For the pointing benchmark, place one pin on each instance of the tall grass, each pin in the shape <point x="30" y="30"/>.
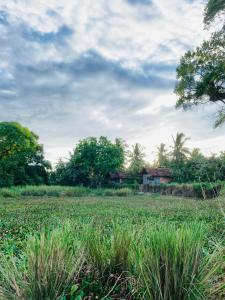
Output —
<point x="60" y="191"/>
<point x="154" y="263"/>
<point x="50" y="266"/>
<point x="109" y="253"/>
<point x="171" y="263"/>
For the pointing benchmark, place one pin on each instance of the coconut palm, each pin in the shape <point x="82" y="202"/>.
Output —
<point x="162" y="155"/>
<point x="179" y="151"/>
<point x="136" y="159"/>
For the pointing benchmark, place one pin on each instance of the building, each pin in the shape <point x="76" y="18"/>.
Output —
<point x="117" y="177"/>
<point x="155" y="176"/>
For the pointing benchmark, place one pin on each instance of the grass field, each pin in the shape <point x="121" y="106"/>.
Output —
<point x="18" y="217"/>
<point x="21" y="217"/>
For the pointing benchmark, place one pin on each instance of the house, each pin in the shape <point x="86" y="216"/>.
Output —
<point x="155" y="176"/>
<point x="117" y="177"/>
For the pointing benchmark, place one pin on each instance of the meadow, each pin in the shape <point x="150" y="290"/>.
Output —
<point x="111" y="247"/>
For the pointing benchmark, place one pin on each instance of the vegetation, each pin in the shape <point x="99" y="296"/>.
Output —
<point x="136" y="160"/>
<point x="22" y="163"/>
<point x="21" y="156"/>
<point x="60" y="191"/>
<point x="91" y="162"/>
<point x="162" y="156"/>
<point x="213" y="9"/>
<point x="138" y="247"/>
<point x="201" y="72"/>
<point x="198" y="190"/>
<point x="191" y="166"/>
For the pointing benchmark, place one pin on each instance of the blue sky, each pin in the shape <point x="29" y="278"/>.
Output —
<point x="89" y="68"/>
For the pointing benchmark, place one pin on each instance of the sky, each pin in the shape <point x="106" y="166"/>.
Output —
<point x="73" y="69"/>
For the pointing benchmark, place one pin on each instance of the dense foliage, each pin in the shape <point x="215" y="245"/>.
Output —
<point x="136" y="159"/>
<point x="191" y="166"/>
<point x="201" y="73"/>
<point x="91" y="162"/>
<point x="21" y="156"/>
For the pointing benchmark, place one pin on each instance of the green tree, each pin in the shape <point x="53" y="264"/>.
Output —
<point x="179" y="151"/>
<point x="201" y="72"/>
<point x="178" y="157"/>
<point x="162" y="156"/>
<point x="136" y="158"/>
<point x="91" y="162"/>
<point x="21" y="156"/>
<point x="213" y="8"/>
<point x="195" y="167"/>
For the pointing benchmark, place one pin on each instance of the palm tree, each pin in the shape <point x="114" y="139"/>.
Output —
<point x="162" y="155"/>
<point x="179" y="151"/>
<point x="136" y="159"/>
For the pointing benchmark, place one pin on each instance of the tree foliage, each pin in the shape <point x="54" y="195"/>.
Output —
<point x="91" y="162"/>
<point x="162" y="159"/>
<point x="21" y="156"/>
<point x="192" y="166"/>
<point x="213" y="9"/>
<point x="201" y="72"/>
<point x="179" y="151"/>
<point x="136" y="160"/>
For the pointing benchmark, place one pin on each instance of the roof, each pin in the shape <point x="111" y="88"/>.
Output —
<point x="157" y="172"/>
<point x="118" y="175"/>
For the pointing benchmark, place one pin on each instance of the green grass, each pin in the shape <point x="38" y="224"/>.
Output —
<point x="61" y="191"/>
<point x="127" y="241"/>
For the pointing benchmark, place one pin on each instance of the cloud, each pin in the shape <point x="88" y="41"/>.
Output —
<point x="87" y="68"/>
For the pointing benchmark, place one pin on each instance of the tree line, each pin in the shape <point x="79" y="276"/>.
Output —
<point x="22" y="161"/>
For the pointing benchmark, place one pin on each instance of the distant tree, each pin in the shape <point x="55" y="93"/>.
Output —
<point x="63" y="174"/>
<point x="195" y="166"/>
<point x="179" y="151"/>
<point x="162" y="156"/>
<point x="178" y="157"/>
<point x="136" y="158"/>
<point x="91" y="162"/>
<point x="201" y="73"/>
<point x="21" y="156"/>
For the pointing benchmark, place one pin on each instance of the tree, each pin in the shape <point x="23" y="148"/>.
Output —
<point x="136" y="160"/>
<point x="162" y="156"/>
<point x="179" y="151"/>
<point x="213" y="8"/>
<point x="201" y="73"/>
<point x="21" y="156"/>
<point x="91" y="162"/>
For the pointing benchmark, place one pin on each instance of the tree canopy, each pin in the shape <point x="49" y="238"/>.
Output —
<point x="136" y="160"/>
<point x="162" y="153"/>
<point x="91" y="162"/>
<point x="213" y="9"/>
<point x="21" y="156"/>
<point x="201" y="72"/>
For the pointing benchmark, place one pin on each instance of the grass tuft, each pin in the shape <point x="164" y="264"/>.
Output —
<point x="50" y="265"/>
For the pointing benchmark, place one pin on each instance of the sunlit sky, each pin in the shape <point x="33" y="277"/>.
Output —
<point x="73" y="69"/>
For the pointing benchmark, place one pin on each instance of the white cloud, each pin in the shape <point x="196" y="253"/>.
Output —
<point x="81" y="68"/>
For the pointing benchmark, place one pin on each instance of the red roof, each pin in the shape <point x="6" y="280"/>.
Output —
<point x="157" y="172"/>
